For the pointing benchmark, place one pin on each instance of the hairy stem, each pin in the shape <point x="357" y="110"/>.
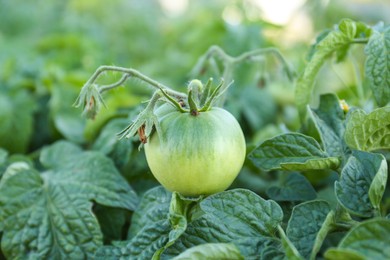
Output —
<point x="127" y="73"/>
<point x="114" y="85"/>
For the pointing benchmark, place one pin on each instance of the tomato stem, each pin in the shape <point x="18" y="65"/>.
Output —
<point x="92" y="91"/>
<point x="128" y="73"/>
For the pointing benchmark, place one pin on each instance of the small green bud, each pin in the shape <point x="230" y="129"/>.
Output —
<point x="91" y="100"/>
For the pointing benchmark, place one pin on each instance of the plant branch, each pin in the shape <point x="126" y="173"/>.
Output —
<point x="128" y="72"/>
<point x="229" y="63"/>
<point x="90" y="95"/>
<point x="114" y="85"/>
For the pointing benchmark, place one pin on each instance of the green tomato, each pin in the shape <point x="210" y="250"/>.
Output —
<point x="196" y="155"/>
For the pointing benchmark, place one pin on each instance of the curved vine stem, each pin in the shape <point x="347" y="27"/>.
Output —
<point x="127" y="73"/>
<point x="229" y="63"/>
<point x="90" y="95"/>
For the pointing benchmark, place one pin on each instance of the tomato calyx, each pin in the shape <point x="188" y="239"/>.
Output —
<point x="200" y="98"/>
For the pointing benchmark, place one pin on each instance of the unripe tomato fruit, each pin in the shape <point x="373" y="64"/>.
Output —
<point x="196" y="155"/>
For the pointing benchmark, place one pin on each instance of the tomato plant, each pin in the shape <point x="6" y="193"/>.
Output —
<point x="276" y="158"/>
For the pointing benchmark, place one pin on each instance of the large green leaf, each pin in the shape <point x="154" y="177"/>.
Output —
<point x="179" y="211"/>
<point x="96" y="175"/>
<point x="292" y="151"/>
<point x="158" y="222"/>
<point x="360" y="171"/>
<point x="368" y="132"/>
<point x="377" y="66"/>
<point x="209" y="229"/>
<point x="143" y="246"/>
<point x="329" y="120"/>
<point x="149" y="230"/>
<point x="211" y="251"/>
<point x="339" y="41"/>
<point x="59" y="155"/>
<point x="305" y="223"/>
<point x="293" y="187"/>
<point x="48" y="214"/>
<point x="44" y="221"/>
<point x="257" y="216"/>
<point x="237" y="216"/>
<point x="369" y="239"/>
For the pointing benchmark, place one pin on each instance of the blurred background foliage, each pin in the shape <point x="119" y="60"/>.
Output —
<point x="48" y="49"/>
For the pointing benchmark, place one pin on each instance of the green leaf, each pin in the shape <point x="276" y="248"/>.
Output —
<point x="16" y="117"/>
<point x="150" y="239"/>
<point x="313" y="48"/>
<point x="206" y="229"/>
<point x="378" y="186"/>
<point x="293" y="187"/>
<point x="48" y="214"/>
<point x="329" y="120"/>
<point x="368" y="132"/>
<point x="45" y="222"/>
<point x="96" y="176"/>
<point x="211" y="251"/>
<point x="360" y="171"/>
<point x="342" y="254"/>
<point x="108" y="142"/>
<point x="257" y="216"/>
<point x="209" y="229"/>
<point x="370" y="239"/>
<point x="326" y="227"/>
<point x="292" y="151"/>
<point x="377" y="66"/>
<point x="158" y="222"/>
<point x="153" y="207"/>
<point x="305" y="223"/>
<point x="151" y="230"/>
<point x="178" y="212"/>
<point x="59" y="154"/>
<point x="337" y="41"/>
<point x="289" y="249"/>
<point x="236" y="216"/>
